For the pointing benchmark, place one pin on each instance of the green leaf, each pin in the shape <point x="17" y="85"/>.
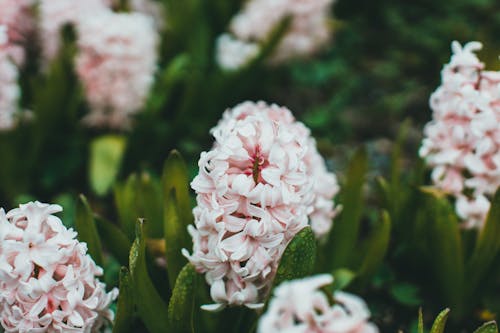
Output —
<point x="378" y="244"/>
<point x="150" y="306"/>
<point x="406" y="294"/>
<point x="487" y="246"/>
<point x="125" y="307"/>
<point x="440" y="322"/>
<point x="114" y="240"/>
<point x="342" y="278"/>
<point x="176" y="237"/>
<point x="420" y="321"/>
<point x="182" y="303"/>
<point x="106" y="155"/>
<point x="87" y="231"/>
<point x="125" y="195"/>
<point x="345" y="231"/>
<point x="149" y="203"/>
<point x="490" y="327"/>
<point x="175" y="176"/>
<point x="298" y="259"/>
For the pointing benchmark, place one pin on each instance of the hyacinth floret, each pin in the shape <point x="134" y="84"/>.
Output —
<point x="255" y="190"/>
<point x="9" y="87"/>
<point x="462" y="142"/>
<point x="48" y="282"/>
<point x="300" y="306"/>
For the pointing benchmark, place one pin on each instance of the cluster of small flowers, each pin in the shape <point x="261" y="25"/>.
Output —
<point x="255" y="190"/>
<point x="116" y="64"/>
<point x="462" y="142"/>
<point x="16" y="16"/>
<point x="9" y="88"/>
<point x="299" y="306"/>
<point x="47" y="282"/>
<point x="308" y="31"/>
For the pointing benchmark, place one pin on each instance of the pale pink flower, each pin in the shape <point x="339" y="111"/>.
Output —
<point x="47" y="281"/>
<point x="300" y="306"/>
<point x="462" y="142"/>
<point x="116" y="63"/>
<point x="17" y="16"/>
<point x="55" y="14"/>
<point x="255" y="190"/>
<point x="9" y="87"/>
<point x="233" y="54"/>
<point x="308" y="31"/>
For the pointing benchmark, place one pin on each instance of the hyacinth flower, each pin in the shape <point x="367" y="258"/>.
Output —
<point x="307" y="31"/>
<point x="48" y="282"/>
<point x="301" y="306"/>
<point x="9" y="87"/>
<point x="116" y="63"/>
<point x="462" y="142"/>
<point x="17" y="16"/>
<point x="262" y="182"/>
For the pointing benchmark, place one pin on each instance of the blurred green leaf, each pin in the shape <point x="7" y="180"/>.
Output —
<point x="150" y="306"/>
<point x="149" y="204"/>
<point x="114" y="240"/>
<point x="487" y="246"/>
<point x="125" y="195"/>
<point x="176" y="237"/>
<point x="299" y="257"/>
<point x="106" y="155"/>
<point x="345" y="232"/>
<point x="182" y="302"/>
<point x="406" y="294"/>
<point x="440" y="322"/>
<point x="125" y="307"/>
<point x="378" y="244"/>
<point x="490" y="327"/>
<point x="87" y="231"/>
<point x="342" y="278"/>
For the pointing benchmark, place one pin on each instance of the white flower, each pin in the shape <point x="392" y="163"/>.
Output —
<point x="233" y="54"/>
<point x="47" y="281"/>
<point x="9" y="87"/>
<point x="300" y="306"/>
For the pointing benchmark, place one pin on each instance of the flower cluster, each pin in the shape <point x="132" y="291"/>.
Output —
<point x="55" y="14"/>
<point x="47" y="281"/>
<point x="299" y="306"/>
<point x="462" y="142"/>
<point x="116" y="64"/>
<point x="9" y="88"/>
<point x="16" y="15"/>
<point x="255" y="190"/>
<point x="308" y="30"/>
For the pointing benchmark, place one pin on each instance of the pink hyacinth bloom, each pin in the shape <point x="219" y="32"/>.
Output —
<point x="462" y="142"/>
<point x="17" y="16"/>
<point x="55" y="14"/>
<point x="9" y="87"/>
<point x="48" y="282"/>
<point x="116" y="64"/>
<point x="255" y="190"/>
<point x="308" y="31"/>
<point x="233" y="54"/>
<point x="299" y="306"/>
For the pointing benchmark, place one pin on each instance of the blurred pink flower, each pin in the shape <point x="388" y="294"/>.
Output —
<point x="47" y="281"/>
<point x="233" y="54"/>
<point x="116" y="63"/>
<point x="55" y="14"/>
<point x="300" y="306"/>
<point x="462" y="142"/>
<point x="255" y="190"/>
<point x="308" y="31"/>
<point x="17" y="16"/>
<point x="9" y="87"/>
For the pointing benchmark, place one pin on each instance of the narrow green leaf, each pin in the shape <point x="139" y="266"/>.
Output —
<point x="182" y="302"/>
<point x="440" y="322"/>
<point x="299" y="257"/>
<point x="342" y="278"/>
<point x="150" y="306"/>
<point x="406" y="294"/>
<point x="114" y="240"/>
<point x="149" y="203"/>
<point x="125" y="307"/>
<point x="377" y="248"/>
<point x="87" y="231"/>
<point x="106" y="155"/>
<point x="124" y="196"/>
<point x="345" y="231"/>
<point x="175" y="176"/>
<point x="420" y="321"/>
<point x="489" y="327"/>
<point x="487" y="246"/>
<point x="176" y="237"/>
